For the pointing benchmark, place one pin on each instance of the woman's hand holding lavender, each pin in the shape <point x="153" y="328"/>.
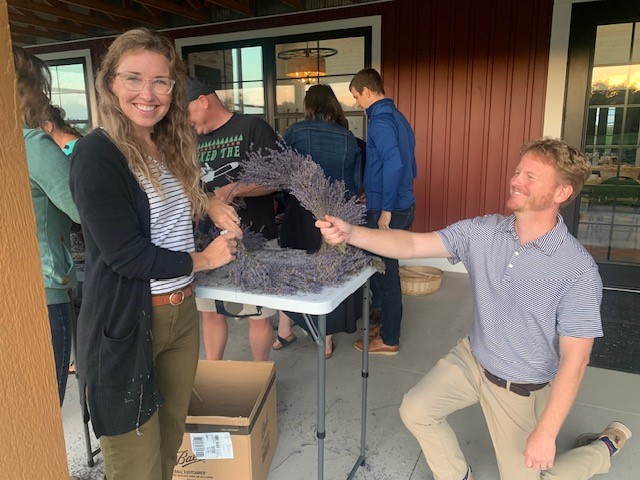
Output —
<point x="224" y="216"/>
<point x="219" y="252"/>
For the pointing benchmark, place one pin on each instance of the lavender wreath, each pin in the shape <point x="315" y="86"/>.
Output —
<point x="286" y="169"/>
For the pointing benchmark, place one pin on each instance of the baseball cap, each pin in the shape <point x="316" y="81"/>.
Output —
<point x="196" y="87"/>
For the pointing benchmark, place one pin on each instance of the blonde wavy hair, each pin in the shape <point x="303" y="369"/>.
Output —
<point x="34" y="87"/>
<point x="173" y="135"/>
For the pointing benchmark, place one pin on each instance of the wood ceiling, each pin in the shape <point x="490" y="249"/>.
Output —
<point x="50" y="21"/>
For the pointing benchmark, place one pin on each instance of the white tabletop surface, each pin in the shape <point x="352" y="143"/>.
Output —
<point x="215" y="284"/>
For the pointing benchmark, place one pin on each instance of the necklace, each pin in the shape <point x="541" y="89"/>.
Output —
<point x="158" y="164"/>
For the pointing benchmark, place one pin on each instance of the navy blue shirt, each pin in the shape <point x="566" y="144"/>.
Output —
<point x="391" y="162"/>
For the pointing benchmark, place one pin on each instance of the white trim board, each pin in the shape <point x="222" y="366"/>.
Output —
<point x="557" y="70"/>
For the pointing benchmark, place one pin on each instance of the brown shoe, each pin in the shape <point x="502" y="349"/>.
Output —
<point x="378" y="347"/>
<point x="617" y="432"/>
<point x="375" y="331"/>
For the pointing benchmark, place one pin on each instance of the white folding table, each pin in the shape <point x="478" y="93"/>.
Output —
<point x="216" y="285"/>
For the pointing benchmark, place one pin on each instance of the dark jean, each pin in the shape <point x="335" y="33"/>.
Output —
<point x="386" y="288"/>
<point x="60" y="322"/>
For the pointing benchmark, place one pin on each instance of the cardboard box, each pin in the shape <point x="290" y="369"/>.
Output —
<point x="232" y="428"/>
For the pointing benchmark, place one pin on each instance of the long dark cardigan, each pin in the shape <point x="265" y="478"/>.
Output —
<point x="114" y="357"/>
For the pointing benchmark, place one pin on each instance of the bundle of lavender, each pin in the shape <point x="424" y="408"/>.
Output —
<point x="282" y="273"/>
<point x="286" y="169"/>
<point x="286" y="273"/>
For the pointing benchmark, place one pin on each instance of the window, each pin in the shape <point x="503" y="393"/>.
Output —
<point x="270" y="76"/>
<point x="71" y="87"/>
<point x="235" y="73"/>
<point x="334" y="63"/>
<point x="613" y="118"/>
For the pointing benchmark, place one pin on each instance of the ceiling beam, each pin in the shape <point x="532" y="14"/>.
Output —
<point x="295" y="4"/>
<point x="116" y="11"/>
<point x="196" y="4"/>
<point x="34" y="32"/>
<point x="21" y="40"/>
<point x="176" y="9"/>
<point x="68" y="15"/>
<point x="239" y="6"/>
<point x="57" y="26"/>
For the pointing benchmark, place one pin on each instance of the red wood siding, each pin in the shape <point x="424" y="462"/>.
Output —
<point x="470" y="75"/>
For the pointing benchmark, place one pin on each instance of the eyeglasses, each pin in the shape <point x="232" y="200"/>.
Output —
<point x="135" y="83"/>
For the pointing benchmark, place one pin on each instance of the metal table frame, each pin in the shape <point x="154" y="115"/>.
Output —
<point x="210" y="285"/>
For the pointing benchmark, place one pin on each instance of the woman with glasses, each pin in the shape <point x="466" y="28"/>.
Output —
<point x="136" y="183"/>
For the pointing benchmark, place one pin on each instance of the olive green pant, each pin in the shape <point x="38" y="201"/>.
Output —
<point x="457" y="381"/>
<point x="152" y="455"/>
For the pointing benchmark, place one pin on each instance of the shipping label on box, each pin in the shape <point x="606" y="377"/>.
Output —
<point x="211" y="445"/>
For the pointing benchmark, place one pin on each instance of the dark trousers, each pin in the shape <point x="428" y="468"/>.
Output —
<point x="386" y="288"/>
<point x="60" y="323"/>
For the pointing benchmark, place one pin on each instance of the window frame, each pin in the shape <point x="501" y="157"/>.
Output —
<point x="369" y="27"/>
<point x="84" y="57"/>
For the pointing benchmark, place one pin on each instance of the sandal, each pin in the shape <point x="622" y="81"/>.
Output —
<point x="327" y="356"/>
<point x="284" y="341"/>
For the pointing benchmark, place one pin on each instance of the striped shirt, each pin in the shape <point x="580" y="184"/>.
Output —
<point x="171" y="224"/>
<point x="525" y="296"/>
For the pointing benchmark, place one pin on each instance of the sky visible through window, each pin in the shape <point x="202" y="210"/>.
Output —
<point x="68" y="91"/>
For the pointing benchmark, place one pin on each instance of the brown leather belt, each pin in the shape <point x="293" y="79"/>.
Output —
<point x="174" y="298"/>
<point x="521" y="389"/>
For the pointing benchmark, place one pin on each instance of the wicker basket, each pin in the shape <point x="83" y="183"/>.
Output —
<point x="420" y="280"/>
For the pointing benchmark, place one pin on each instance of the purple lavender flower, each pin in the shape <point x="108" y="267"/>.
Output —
<point x="280" y="273"/>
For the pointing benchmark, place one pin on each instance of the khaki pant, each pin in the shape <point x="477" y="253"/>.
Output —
<point x="457" y="381"/>
<point x="152" y="455"/>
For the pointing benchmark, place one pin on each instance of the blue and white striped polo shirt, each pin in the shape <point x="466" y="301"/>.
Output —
<point x="525" y="296"/>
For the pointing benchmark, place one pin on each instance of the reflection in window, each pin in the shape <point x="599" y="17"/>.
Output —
<point x="235" y="73"/>
<point x="609" y="219"/>
<point x="270" y="76"/>
<point x="613" y="44"/>
<point x="335" y="61"/>
<point x="613" y="118"/>
<point x="69" y="92"/>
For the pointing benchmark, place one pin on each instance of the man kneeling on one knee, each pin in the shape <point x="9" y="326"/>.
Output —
<point x="536" y="294"/>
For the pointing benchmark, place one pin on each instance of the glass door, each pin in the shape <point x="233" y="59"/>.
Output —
<point x="603" y="116"/>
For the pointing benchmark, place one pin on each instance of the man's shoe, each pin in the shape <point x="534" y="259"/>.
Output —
<point x="378" y="347"/>
<point x="375" y="331"/>
<point x="616" y="434"/>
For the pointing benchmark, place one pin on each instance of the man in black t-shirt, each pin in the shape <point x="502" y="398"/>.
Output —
<point x="224" y="139"/>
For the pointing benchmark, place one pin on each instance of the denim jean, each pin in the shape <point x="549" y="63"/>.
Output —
<point x="386" y="288"/>
<point x="60" y="322"/>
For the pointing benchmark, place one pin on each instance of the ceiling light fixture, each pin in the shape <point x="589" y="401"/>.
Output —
<point x="305" y="63"/>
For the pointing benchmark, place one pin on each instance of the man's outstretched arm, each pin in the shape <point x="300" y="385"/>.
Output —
<point x="388" y="243"/>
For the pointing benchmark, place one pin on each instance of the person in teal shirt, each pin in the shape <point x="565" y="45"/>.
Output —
<point x="52" y="204"/>
<point x="62" y="133"/>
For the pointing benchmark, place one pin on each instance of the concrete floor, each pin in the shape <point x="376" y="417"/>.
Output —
<point x="431" y="326"/>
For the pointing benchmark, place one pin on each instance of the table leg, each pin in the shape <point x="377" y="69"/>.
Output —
<point x="322" y="361"/>
<point x="366" y="294"/>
